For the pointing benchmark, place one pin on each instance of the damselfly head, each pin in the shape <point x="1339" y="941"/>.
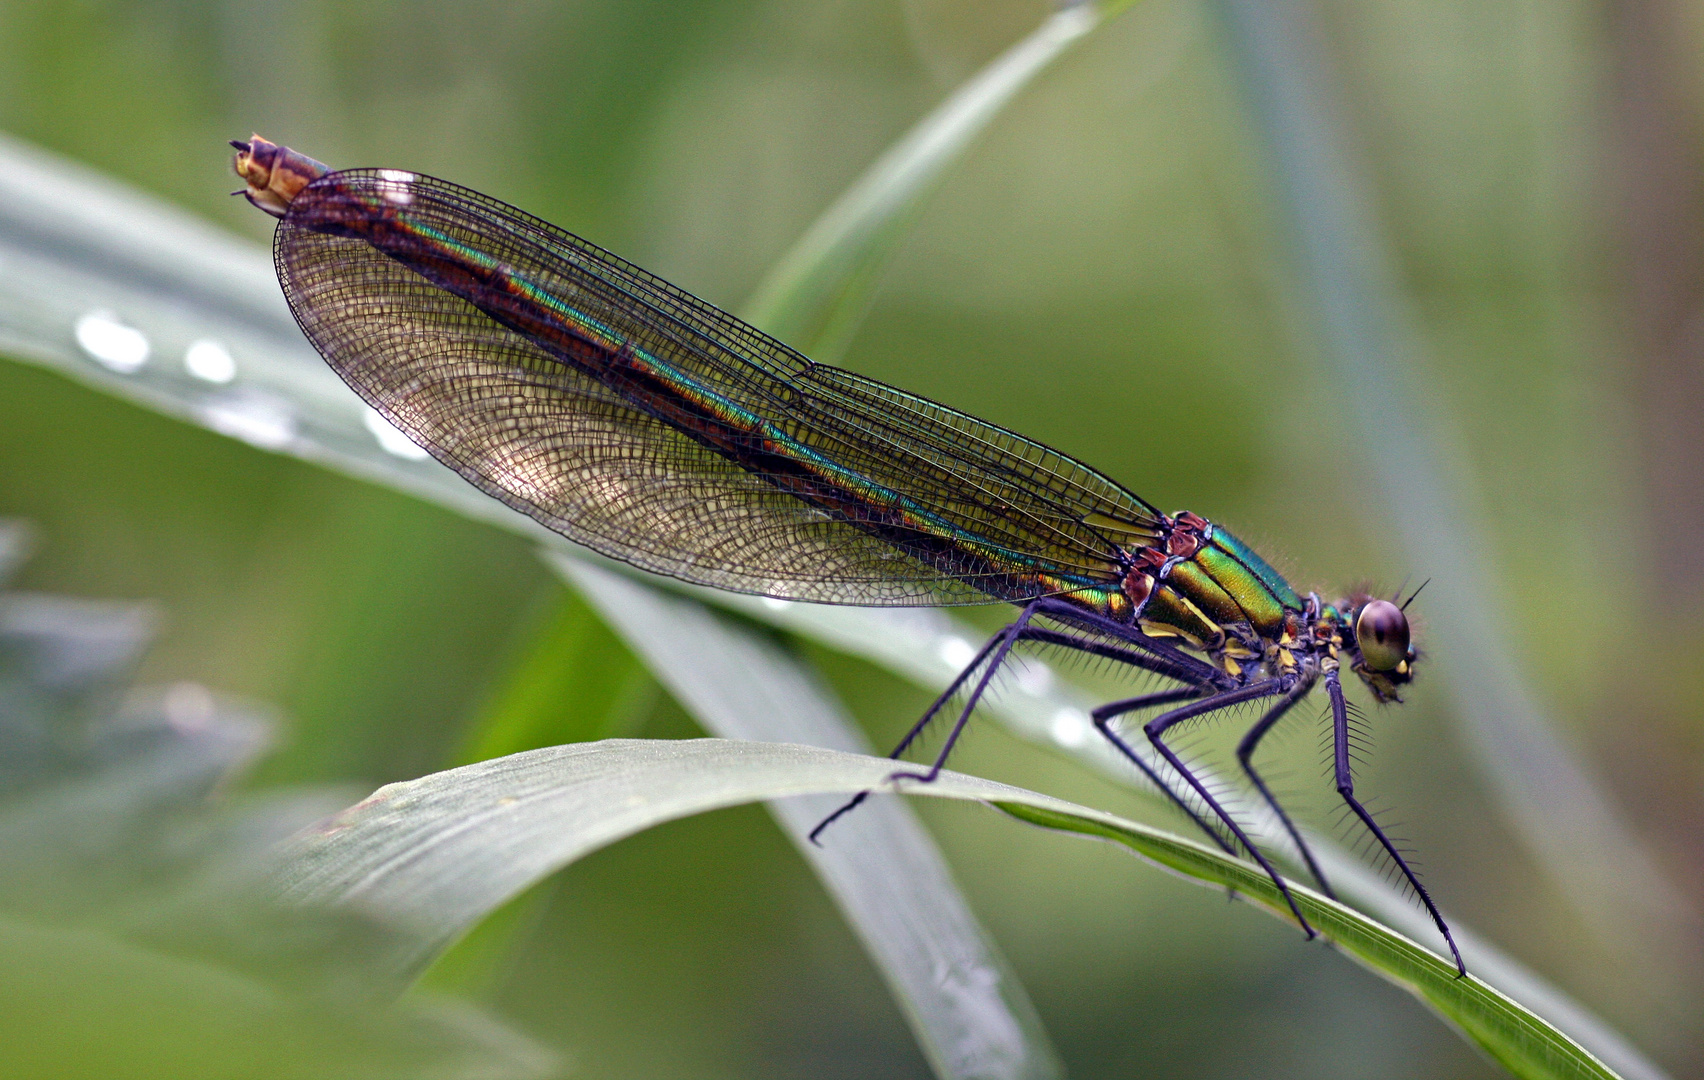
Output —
<point x="1386" y="654"/>
<point x="274" y="174"/>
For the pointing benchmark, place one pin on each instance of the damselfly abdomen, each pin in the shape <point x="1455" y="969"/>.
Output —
<point x="659" y="430"/>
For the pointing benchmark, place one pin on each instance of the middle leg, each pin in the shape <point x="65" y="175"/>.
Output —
<point x="1245" y="755"/>
<point x="1160" y="661"/>
<point x="1106" y="714"/>
<point x="1156" y="729"/>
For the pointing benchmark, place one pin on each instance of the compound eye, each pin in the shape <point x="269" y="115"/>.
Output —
<point x="1381" y="632"/>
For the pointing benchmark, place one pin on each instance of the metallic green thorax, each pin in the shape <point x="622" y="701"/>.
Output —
<point x="1203" y="584"/>
<point x="1245" y="565"/>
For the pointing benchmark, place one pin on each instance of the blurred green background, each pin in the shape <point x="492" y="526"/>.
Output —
<point x="1101" y="273"/>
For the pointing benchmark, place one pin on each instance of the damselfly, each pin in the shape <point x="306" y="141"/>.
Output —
<point x="650" y="426"/>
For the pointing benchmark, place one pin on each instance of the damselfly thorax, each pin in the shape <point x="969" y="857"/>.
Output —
<point x="1197" y="584"/>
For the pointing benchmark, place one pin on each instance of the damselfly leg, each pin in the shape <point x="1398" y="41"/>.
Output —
<point x="1202" y="692"/>
<point x="1245" y="756"/>
<point x="1157" y="727"/>
<point x="1346" y="788"/>
<point x="1157" y="658"/>
<point x="991" y="655"/>
<point x="1106" y="714"/>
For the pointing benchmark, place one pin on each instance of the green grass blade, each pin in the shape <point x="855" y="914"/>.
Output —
<point x="129" y="941"/>
<point x="815" y="295"/>
<point x="429" y="857"/>
<point x="83" y="1002"/>
<point x="970" y="1014"/>
<point x="1526" y="1045"/>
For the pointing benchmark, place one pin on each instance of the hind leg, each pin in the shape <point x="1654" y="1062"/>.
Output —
<point x="993" y="654"/>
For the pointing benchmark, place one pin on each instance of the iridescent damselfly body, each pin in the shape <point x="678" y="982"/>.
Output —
<point x="652" y="427"/>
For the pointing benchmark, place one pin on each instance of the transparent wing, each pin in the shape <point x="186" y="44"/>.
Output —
<point x="652" y="427"/>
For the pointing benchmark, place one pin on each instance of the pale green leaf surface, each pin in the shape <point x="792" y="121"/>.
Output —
<point x="130" y="942"/>
<point x="432" y="856"/>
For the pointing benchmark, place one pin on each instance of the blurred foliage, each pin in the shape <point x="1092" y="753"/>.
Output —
<point x="128" y="906"/>
<point x="1099" y="273"/>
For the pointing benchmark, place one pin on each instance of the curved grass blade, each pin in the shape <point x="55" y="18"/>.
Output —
<point x="430" y="857"/>
<point x="153" y="267"/>
<point x="966" y="1006"/>
<point x="815" y="295"/>
<point x="1524" y="1044"/>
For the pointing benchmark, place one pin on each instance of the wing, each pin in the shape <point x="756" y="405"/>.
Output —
<point x="657" y="429"/>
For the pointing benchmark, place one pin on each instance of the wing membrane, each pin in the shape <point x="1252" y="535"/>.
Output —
<point x="648" y="425"/>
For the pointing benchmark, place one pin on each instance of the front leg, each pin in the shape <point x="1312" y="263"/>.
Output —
<point x="1346" y="788"/>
